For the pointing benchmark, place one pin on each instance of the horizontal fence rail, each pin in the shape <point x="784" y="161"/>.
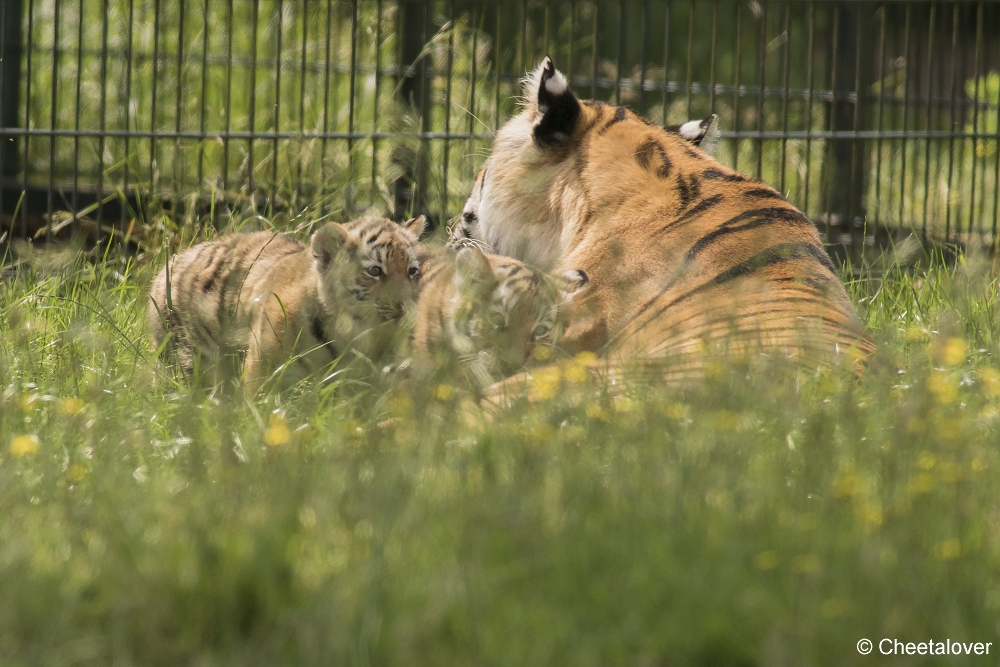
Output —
<point x="878" y="119"/>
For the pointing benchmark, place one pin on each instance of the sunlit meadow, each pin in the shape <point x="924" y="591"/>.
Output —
<point x="770" y="515"/>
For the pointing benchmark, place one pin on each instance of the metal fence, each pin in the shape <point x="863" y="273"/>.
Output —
<point x="873" y="117"/>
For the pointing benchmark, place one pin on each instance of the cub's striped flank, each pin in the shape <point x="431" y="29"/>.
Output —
<point x="263" y="298"/>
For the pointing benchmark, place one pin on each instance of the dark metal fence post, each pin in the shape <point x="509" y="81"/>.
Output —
<point x="11" y="12"/>
<point x="414" y="93"/>
<point x="848" y="158"/>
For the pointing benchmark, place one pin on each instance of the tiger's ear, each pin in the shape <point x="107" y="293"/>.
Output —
<point x="703" y="133"/>
<point x="572" y="282"/>
<point x="473" y="272"/>
<point x="326" y="243"/>
<point x="415" y="225"/>
<point x="557" y="109"/>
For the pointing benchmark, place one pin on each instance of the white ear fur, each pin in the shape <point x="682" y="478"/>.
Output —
<point x="575" y="280"/>
<point x="691" y="130"/>
<point x="327" y="242"/>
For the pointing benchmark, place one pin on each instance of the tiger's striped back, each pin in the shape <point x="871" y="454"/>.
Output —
<point x="682" y="252"/>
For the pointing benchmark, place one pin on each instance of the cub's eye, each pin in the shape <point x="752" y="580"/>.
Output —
<point x="375" y="271"/>
<point x="469" y="217"/>
<point x="541" y="331"/>
<point x="414" y="272"/>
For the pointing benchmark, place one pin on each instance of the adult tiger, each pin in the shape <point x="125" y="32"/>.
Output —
<point x="680" y="250"/>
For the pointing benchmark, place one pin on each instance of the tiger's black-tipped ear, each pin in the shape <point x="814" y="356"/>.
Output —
<point x="701" y="133"/>
<point x="327" y="242"/>
<point x="558" y="108"/>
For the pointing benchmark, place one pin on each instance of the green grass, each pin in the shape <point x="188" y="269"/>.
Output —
<point x="768" y="516"/>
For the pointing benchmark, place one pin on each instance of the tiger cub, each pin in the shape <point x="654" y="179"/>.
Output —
<point x="271" y="298"/>
<point x="490" y="313"/>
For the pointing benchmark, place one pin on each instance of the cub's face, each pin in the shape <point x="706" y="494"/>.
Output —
<point x="504" y="310"/>
<point x="369" y="267"/>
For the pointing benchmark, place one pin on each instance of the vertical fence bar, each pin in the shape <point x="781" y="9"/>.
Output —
<point x="711" y="66"/>
<point x="786" y="29"/>
<point x="593" y="54"/>
<point x="53" y="117"/>
<point x="103" y="114"/>
<point x="809" y="102"/>
<point x="76" y="117"/>
<point x="762" y="83"/>
<point x="252" y="122"/>
<point x="229" y="99"/>
<point x="179" y="65"/>
<point x="951" y="127"/>
<point x="881" y="100"/>
<point x="906" y="108"/>
<point x="689" y="64"/>
<point x="27" y="121"/>
<point x="326" y="107"/>
<point x="273" y="185"/>
<point x="620" y="52"/>
<point x="127" y="115"/>
<point x="201" y="102"/>
<point x="826" y="189"/>
<point x="296" y="193"/>
<point x="975" y="123"/>
<point x="736" y="85"/>
<point x="375" y="105"/>
<point x="153" y="106"/>
<point x="352" y="80"/>
<point x="927" y="126"/>
<point x="643" y="56"/>
<point x="413" y="27"/>
<point x="446" y="148"/>
<point x="11" y="13"/>
<point x="666" y="62"/>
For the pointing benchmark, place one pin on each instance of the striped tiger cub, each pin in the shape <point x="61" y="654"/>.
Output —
<point x="682" y="251"/>
<point x="489" y="313"/>
<point x="271" y="298"/>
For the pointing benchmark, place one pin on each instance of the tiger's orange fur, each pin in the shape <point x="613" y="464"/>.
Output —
<point x="680" y="249"/>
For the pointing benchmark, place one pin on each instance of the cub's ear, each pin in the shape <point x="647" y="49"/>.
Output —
<point x="415" y="225"/>
<point x="473" y="272"/>
<point x="558" y="110"/>
<point x="572" y="282"/>
<point x="326" y="243"/>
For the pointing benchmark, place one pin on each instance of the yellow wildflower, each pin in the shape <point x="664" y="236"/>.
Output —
<point x="76" y="473"/>
<point x="766" y="560"/>
<point x="947" y="550"/>
<point x="23" y="445"/>
<point x="545" y="383"/>
<point x="991" y="382"/>
<point x="70" y="406"/>
<point x="541" y="352"/>
<point x="444" y="392"/>
<point x="945" y="389"/>
<point x="28" y="402"/>
<point x="926" y="460"/>
<point x="277" y="432"/>
<point x="953" y="351"/>
<point x="805" y="564"/>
